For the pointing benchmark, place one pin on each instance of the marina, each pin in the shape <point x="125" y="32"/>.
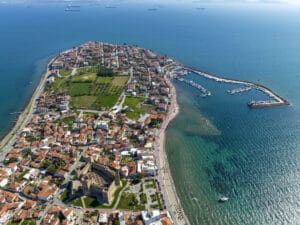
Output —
<point x="277" y="100"/>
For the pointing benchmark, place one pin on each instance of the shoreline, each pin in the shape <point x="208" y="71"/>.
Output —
<point x="172" y="201"/>
<point x="23" y="118"/>
<point x="165" y="178"/>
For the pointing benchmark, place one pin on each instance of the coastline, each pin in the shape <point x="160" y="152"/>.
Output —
<point x="165" y="178"/>
<point x="7" y="141"/>
<point x="172" y="201"/>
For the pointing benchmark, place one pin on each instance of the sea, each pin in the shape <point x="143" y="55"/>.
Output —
<point x="216" y="146"/>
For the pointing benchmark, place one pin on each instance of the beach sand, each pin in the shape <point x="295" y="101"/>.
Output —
<point x="172" y="202"/>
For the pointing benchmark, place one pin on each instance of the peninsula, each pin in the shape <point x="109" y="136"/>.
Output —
<point x="89" y="148"/>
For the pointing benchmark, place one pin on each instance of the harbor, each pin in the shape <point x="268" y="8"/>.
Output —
<point x="276" y="99"/>
<point x="204" y="91"/>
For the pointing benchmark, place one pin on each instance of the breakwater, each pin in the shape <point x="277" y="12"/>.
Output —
<point x="277" y="99"/>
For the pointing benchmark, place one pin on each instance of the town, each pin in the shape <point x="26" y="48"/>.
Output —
<point x="88" y="153"/>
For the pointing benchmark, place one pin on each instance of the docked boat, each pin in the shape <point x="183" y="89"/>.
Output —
<point x="223" y="199"/>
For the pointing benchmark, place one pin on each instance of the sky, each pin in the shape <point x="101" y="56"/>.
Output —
<point x="163" y="1"/>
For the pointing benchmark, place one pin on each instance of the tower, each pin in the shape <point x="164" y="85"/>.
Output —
<point x="117" y="176"/>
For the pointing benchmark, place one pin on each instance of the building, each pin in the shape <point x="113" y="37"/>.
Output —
<point x="151" y="218"/>
<point x="97" y="181"/>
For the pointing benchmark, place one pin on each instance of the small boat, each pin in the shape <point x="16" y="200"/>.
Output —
<point x="68" y="9"/>
<point x="223" y="199"/>
<point x="110" y="6"/>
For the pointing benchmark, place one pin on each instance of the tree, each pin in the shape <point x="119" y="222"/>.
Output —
<point x="140" y="176"/>
<point x="104" y="72"/>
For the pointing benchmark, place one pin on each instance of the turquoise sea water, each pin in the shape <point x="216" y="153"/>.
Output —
<point x="217" y="145"/>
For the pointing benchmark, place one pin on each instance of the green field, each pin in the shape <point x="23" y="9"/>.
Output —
<point x="76" y="202"/>
<point x="87" y="77"/>
<point x="85" y="101"/>
<point x="129" y="201"/>
<point x="89" y="91"/>
<point x="25" y="222"/>
<point x="105" y="80"/>
<point x="84" y="70"/>
<point x="63" y="72"/>
<point x="80" y="89"/>
<point x="29" y="222"/>
<point x="90" y="202"/>
<point x="134" y="105"/>
<point x="119" y="81"/>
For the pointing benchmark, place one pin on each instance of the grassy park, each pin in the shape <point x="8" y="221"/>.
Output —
<point x="134" y="107"/>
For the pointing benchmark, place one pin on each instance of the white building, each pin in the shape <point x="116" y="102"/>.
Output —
<point x="103" y="218"/>
<point x="103" y="125"/>
<point x="3" y="181"/>
<point x="151" y="218"/>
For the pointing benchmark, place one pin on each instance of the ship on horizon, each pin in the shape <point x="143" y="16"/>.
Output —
<point x="152" y="9"/>
<point x="110" y="6"/>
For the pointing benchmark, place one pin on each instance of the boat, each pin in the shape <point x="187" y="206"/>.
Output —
<point x="74" y="6"/>
<point x="152" y="9"/>
<point x="72" y="10"/>
<point x="110" y="6"/>
<point x="223" y="199"/>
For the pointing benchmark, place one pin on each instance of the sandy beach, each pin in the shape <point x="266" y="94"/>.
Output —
<point x="172" y="201"/>
<point x="8" y="141"/>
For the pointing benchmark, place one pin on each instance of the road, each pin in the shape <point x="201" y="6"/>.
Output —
<point x="122" y="97"/>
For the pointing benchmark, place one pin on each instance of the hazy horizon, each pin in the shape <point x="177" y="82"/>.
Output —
<point x="156" y="1"/>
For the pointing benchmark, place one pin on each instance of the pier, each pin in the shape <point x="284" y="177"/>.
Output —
<point x="239" y="90"/>
<point x="277" y="100"/>
<point x="204" y="92"/>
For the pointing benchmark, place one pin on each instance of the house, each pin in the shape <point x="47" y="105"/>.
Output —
<point x="103" y="218"/>
<point x="68" y="213"/>
<point x="57" y="65"/>
<point x="3" y="181"/>
<point x="4" y="214"/>
<point x="103" y="125"/>
<point x="32" y="174"/>
<point x="162" y="107"/>
<point x="45" y="195"/>
<point x="121" y="218"/>
<point x="50" y="80"/>
<point x="17" y="187"/>
<point x="151" y="218"/>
